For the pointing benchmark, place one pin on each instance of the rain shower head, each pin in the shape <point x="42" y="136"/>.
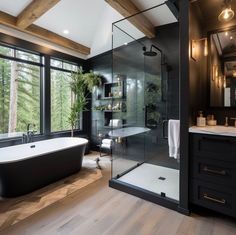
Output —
<point x="150" y="52"/>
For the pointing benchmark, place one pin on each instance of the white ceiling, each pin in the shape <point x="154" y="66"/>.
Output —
<point x="89" y="21"/>
<point x="13" y="7"/>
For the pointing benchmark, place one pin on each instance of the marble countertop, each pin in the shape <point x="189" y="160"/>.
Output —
<point x="214" y="130"/>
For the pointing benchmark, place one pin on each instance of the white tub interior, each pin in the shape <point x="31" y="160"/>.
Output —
<point x="25" y="151"/>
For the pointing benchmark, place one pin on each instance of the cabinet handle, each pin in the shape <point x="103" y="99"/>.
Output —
<point x="221" y="201"/>
<point x="206" y="169"/>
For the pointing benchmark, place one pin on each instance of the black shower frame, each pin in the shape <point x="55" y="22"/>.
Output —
<point x="183" y="205"/>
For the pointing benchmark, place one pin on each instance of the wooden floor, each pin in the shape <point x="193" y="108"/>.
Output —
<point x="98" y="209"/>
<point x="14" y="210"/>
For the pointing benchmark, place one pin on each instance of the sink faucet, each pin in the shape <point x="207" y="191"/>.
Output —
<point x="28" y="137"/>
<point x="234" y="121"/>
<point x="24" y="138"/>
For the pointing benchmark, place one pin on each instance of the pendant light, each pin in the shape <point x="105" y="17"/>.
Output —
<point x="227" y="13"/>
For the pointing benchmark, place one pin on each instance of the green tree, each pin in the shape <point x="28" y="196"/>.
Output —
<point x="26" y="102"/>
<point x="61" y="100"/>
<point x="5" y="73"/>
<point x="81" y="84"/>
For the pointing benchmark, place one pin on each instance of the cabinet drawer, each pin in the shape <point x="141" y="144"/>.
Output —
<point x="214" y="171"/>
<point x="213" y="147"/>
<point x="218" y="198"/>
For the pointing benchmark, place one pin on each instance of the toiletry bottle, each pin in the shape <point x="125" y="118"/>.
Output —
<point x="201" y="121"/>
<point x="211" y="120"/>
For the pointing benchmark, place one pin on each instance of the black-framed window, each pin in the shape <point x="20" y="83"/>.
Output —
<point x="21" y="72"/>
<point x="46" y="55"/>
<point x="63" y="65"/>
<point x="62" y="98"/>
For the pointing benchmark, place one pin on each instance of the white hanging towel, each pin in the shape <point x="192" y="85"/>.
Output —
<point x="174" y="138"/>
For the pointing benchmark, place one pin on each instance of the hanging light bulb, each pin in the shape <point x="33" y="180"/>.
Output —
<point x="227" y="13"/>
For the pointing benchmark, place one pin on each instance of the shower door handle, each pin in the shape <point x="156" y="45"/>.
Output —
<point x="164" y="129"/>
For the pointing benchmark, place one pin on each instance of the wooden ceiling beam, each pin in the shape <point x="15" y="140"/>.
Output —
<point x="33" y="11"/>
<point x="127" y="8"/>
<point x="11" y="21"/>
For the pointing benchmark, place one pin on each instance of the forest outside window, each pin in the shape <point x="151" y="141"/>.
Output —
<point x="61" y="94"/>
<point x="20" y="75"/>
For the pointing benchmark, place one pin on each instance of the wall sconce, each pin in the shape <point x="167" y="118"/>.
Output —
<point x="219" y="82"/>
<point x="195" y="48"/>
<point x="224" y="84"/>
<point x="215" y="72"/>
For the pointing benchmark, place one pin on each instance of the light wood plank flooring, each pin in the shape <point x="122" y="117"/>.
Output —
<point x="98" y="209"/>
<point x="14" y="210"/>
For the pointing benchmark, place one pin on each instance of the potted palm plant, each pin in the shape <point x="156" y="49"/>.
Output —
<point x="81" y="85"/>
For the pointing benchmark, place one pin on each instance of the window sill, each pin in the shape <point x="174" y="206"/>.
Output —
<point x="18" y="140"/>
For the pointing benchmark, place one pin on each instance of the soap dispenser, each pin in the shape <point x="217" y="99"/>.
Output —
<point x="201" y="121"/>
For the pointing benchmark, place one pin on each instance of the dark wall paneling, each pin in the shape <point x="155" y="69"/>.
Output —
<point x="203" y="20"/>
<point x="170" y="48"/>
<point x="184" y="107"/>
<point x="198" y="68"/>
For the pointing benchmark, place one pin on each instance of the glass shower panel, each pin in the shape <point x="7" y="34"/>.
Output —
<point x="146" y="69"/>
<point x="128" y="105"/>
<point x="156" y="108"/>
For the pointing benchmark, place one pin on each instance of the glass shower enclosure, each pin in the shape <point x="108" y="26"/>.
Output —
<point x="141" y="110"/>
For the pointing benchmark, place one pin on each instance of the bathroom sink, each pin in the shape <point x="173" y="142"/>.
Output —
<point x="214" y="130"/>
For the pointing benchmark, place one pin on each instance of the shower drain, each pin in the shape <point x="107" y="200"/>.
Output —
<point x="161" y="178"/>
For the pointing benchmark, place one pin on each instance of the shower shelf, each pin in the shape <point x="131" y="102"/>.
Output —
<point x="113" y="90"/>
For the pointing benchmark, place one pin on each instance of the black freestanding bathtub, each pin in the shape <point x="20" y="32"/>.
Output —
<point x="27" y="167"/>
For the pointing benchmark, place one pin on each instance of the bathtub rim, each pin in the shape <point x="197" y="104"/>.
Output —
<point x="85" y="142"/>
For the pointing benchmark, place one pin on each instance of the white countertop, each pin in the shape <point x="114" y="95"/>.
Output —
<point x="214" y="130"/>
<point x="127" y="131"/>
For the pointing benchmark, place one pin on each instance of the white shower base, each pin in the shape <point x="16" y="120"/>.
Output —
<point x="146" y="176"/>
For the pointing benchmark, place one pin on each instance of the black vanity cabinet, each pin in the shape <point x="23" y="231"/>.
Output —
<point x="213" y="172"/>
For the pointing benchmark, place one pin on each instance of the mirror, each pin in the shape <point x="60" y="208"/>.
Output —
<point x="223" y="69"/>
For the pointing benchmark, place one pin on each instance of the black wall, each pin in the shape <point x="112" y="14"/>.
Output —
<point x="167" y="40"/>
<point x="199" y="84"/>
<point x="198" y="69"/>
